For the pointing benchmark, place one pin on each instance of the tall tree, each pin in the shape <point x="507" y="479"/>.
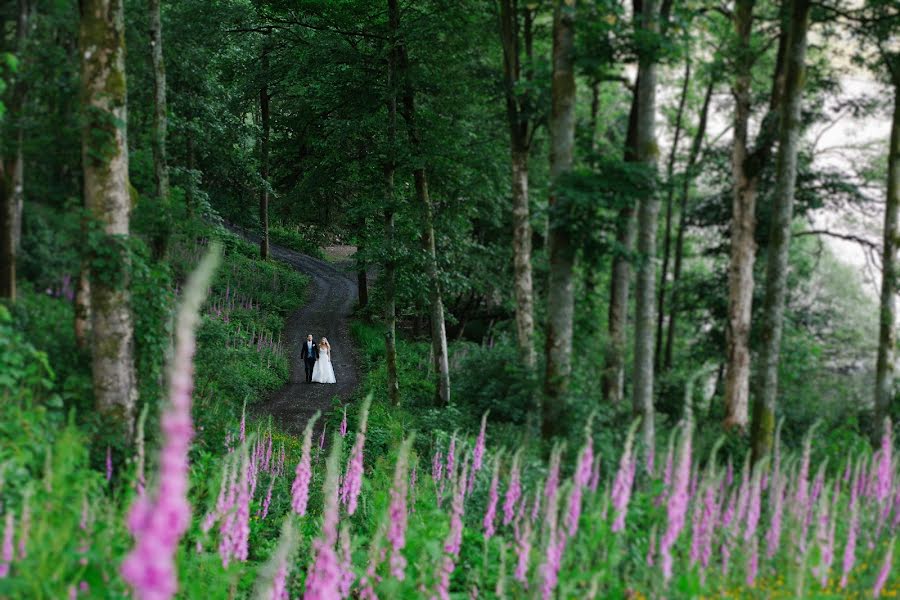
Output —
<point x="408" y="112"/>
<point x="686" y="181"/>
<point x="108" y="201"/>
<point x="561" y="292"/>
<point x="747" y="165"/>
<point x="390" y="211"/>
<point x="521" y="130"/>
<point x="790" y="129"/>
<point x="881" y="23"/>
<point x="887" y="338"/>
<point x="617" y="316"/>
<point x="12" y="164"/>
<point x="647" y="22"/>
<point x="670" y="201"/>
<point x="160" y="124"/>
<point x="264" y="98"/>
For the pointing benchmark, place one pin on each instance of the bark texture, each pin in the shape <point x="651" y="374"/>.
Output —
<point x="561" y="292"/>
<point x="520" y="132"/>
<point x="648" y="217"/>
<point x="107" y="198"/>
<point x="437" y="322"/>
<point x="160" y="125"/>
<point x="617" y="316"/>
<point x="887" y="337"/>
<point x="12" y="166"/>
<point x="763" y="428"/>
<point x="747" y="166"/>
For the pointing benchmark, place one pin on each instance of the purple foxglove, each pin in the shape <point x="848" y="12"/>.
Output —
<point x="513" y="490"/>
<point x="158" y="522"/>
<point x="303" y="473"/>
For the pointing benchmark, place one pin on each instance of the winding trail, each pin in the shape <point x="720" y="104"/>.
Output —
<point x="330" y="297"/>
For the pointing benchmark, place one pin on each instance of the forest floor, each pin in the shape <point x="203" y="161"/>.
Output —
<point x="326" y="312"/>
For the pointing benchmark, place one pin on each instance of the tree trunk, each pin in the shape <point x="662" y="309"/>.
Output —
<point x="887" y="337"/>
<point x="520" y="130"/>
<point x="82" y="323"/>
<point x="362" y="282"/>
<point x="12" y="180"/>
<point x="107" y="197"/>
<point x="7" y="242"/>
<point x="390" y="263"/>
<point x="160" y="123"/>
<point x="763" y="428"/>
<point x="670" y="197"/>
<point x="617" y="316"/>
<point x="648" y="217"/>
<point x="746" y="167"/>
<point x="743" y="245"/>
<point x="561" y="292"/>
<point x="264" y="158"/>
<point x="438" y="325"/>
<point x="686" y="182"/>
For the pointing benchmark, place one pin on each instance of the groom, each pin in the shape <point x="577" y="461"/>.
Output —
<point x="310" y="354"/>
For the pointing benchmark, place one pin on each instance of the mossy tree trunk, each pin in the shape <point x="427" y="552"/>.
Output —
<point x="747" y="165"/>
<point x="790" y="130"/>
<point x="887" y="339"/>
<point x="12" y="163"/>
<point x="648" y="217"/>
<point x="108" y="201"/>
<point x="561" y="285"/>
<point x="521" y="130"/>
<point x="160" y="125"/>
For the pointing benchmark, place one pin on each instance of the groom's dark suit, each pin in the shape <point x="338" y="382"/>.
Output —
<point x="309" y="352"/>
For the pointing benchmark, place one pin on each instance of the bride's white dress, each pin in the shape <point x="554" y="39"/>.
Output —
<point x="323" y="372"/>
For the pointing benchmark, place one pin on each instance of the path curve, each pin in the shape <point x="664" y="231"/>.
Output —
<point x="330" y="298"/>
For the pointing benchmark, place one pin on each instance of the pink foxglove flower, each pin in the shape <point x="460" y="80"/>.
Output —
<point x="852" y="532"/>
<point x="677" y="504"/>
<point x="324" y="578"/>
<point x="343" y="429"/>
<point x="513" y="490"/>
<point x="490" y="512"/>
<point x="158" y="522"/>
<point x="595" y="475"/>
<point x="109" y="468"/>
<point x="396" y="534"/>
<point x="7" y="553"/>
<point x="300" y="487"/>
<point x="451" y="458"/>
<point x="523" y="550"/>
<point x="239" y="535"/>
<point x="478" y="451"/>
<point x="885" y="472"/>
<point x="885" y="571"/>
<point x="265" y="507"/>
<point x="347" y="574"/>
<point x="776" y="500"/>
<point x="621" y="491"/>
<point x="353" y="479"/>
<point x="453" y="540"/>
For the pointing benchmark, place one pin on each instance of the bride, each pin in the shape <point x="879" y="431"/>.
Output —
<point x="323" y="372"/>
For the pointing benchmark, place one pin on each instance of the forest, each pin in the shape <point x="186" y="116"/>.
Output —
<point x="611" y="291"/>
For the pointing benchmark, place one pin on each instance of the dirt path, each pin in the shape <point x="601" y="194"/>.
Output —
<point x="329" y="300"/>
